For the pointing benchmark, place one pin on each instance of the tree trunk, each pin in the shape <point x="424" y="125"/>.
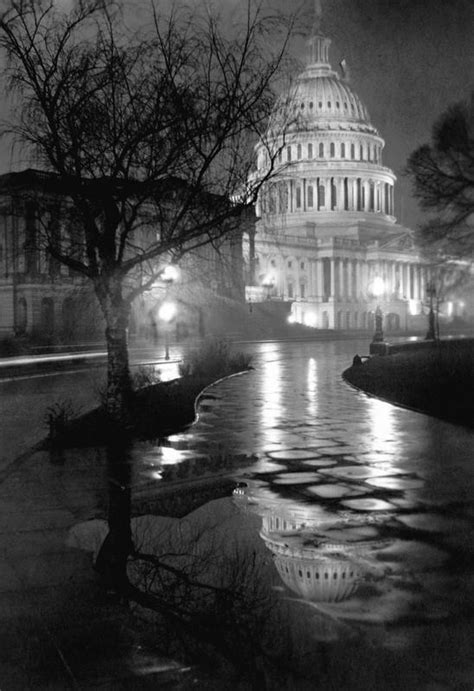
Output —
<point x="119" y="388"/>
<point x="112" y="559"/>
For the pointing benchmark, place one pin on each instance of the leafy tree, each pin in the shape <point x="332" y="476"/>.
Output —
<point x="443" y="177"/>
<point x="148" y="134"/>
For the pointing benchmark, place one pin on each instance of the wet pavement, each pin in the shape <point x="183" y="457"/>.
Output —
<point x="366" y="510"/>
<point x="360" y="514"/>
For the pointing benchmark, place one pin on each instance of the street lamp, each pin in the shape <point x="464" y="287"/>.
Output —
<point x="167" y="313"/>
<point x="377" y="289"/>
<point x="431" y="293"/>
<point x="268" y="283"/>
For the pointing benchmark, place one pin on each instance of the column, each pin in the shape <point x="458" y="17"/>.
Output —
<point x="319" y="278"/>
<point x="333" y="278"/>
<point x="349" y="280"/>
<point x="340" y="194"/>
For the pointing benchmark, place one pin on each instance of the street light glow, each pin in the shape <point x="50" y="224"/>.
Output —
<point x="167" y="311"/>
<point x="377" y="286"/>
<point x="170" y="274"/>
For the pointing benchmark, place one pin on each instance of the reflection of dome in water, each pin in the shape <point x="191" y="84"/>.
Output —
<point x="320" y="580"/>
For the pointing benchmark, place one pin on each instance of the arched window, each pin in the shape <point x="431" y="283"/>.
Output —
<point x="343" y="150"/>
<point x="21" y="317"/>
<point x="353" y="151"/>
<point x="68" y="317"/>
<point x="310" y="151"/>
<point x="309" y="194"/>
<point x="47" y="316"/>
<point x="298" y="197"/>
<point x="332" y="149"/>
<point x="298" y="151"/>
<point x="321" y="196"/>
<point x="321" y="150"/>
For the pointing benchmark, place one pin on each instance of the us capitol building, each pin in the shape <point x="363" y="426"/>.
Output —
<point x="326" y="238"/>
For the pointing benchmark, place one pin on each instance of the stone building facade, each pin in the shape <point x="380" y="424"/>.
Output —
<point x="326" y="238"/>
<point x="44" y="299"/>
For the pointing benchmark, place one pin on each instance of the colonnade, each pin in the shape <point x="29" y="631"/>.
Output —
<point x="336" y="193"/>
<point x="352" y="279"/>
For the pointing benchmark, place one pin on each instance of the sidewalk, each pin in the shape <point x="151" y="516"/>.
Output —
<point x="57" y="631"/>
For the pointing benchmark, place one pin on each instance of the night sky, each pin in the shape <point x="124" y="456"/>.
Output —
<point x="408" y="60"/>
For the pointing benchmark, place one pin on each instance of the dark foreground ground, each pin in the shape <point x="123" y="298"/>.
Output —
<point x="439" y="381"/>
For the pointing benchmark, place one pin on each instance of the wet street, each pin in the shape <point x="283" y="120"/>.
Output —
<point x="365" y="510"/>
<point x="343" y="524"/>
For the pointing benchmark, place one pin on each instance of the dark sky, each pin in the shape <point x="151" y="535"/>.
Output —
<point x="408" y="59"/>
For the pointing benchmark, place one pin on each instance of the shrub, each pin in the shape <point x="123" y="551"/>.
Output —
<point x="145" y="375"/>
<point x="214" y="359"/>
<point x="58" y="416"/>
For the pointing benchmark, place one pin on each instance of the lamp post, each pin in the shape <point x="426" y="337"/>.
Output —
<point x="377" y="288"/>
<point x="167" y="313"/>
<point x="431" y="293"/>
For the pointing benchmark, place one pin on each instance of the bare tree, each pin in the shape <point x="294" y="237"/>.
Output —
<point x="148" y="135"/>
<point x="443" y="176"/>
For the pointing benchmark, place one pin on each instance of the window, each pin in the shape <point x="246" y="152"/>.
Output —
<point x="21" y="317"/>
<point x="361" y="153"/>
<point x="298" y="151"/>
<point x="298" y="197"/>
<point x="310" y="151"/>
<point x="311" y="104"/>
<point x="321" y="196"/>
<point x="353" y="151"/>
<point x="290" y="291"/>
<point x="290" y="264"/>
<point x="338" y="104"/>
<point x="302" y="290"/>
<point x="309" y="194"/>
<point x="329" y="104"/>
<point x="279" y="156"/>
<point x="332" y="149"/>
<point x="288" y="153"/>
<point x="302" y="265"/>
<point x="272" y="263"/>
<point x="321" y="150"/>
<point x="320" y="104"/>
<point x="343" y="150"/>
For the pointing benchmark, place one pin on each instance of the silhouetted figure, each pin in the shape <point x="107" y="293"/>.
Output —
<point x="357" y="360"/>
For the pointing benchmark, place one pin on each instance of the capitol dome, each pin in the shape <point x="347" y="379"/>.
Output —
<point x="322" y="98"/>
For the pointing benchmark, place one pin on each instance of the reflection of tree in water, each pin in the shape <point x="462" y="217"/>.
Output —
<point x="199" y="587"/>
